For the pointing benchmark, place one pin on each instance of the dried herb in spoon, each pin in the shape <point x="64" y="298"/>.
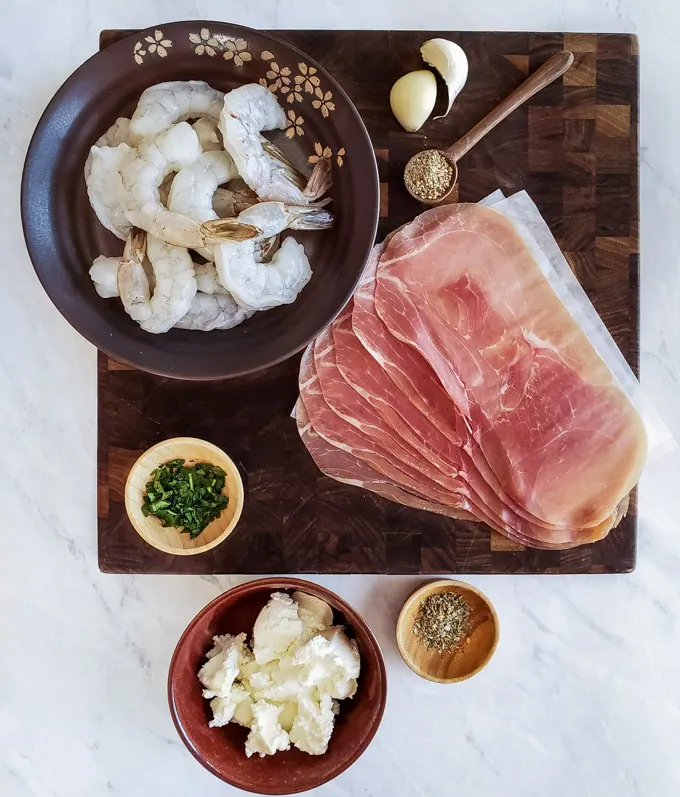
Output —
<point x="185" y="497"/>
<point x="442" y="621"/>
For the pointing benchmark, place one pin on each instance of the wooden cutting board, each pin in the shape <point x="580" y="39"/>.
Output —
<point x="574" y="147"/>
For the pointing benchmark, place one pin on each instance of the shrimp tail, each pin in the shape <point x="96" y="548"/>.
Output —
<point x="320" y="180"/>
<point x="285" y="165"/>
<point x="133" y="282"/>
<point x="266" y="248"/>
<point x="306" y="217"/>
<point x="219" y="231"/>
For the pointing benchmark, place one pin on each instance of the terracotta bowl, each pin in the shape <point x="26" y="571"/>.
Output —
<point x="63" y="235"/>
<point x="465" y="661"/>
<point x="171" y="540"/>
<point x="221" y="750"/>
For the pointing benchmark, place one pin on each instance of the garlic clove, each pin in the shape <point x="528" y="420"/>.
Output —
<point x="451" y="63"/>
<point x="412" y="99"/>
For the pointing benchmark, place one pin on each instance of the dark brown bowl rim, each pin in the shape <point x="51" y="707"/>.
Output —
<point x="277" y="582"/>
<point x="100" y="340"/>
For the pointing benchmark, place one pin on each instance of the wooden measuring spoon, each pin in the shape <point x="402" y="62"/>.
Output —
<point x="553" y="68"/>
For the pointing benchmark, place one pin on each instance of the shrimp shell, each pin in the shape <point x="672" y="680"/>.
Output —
<point x="165" y="104"/>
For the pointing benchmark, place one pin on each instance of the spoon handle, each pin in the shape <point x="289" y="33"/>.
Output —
<point x="553" y="68"/>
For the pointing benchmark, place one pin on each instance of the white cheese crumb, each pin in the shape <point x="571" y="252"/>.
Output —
<point x="224" y="709"/>
<point x="266" y="734"/>
<point x="276" y="628"/>
<point x="224" y="662"/>
<point x="313" y="725"/>
<point x="286" y="690"/>
<point x="331" y="662"/>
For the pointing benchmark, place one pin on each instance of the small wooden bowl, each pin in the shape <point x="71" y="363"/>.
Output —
<point x="171" y="540"/>
<point x="460" y="663"/>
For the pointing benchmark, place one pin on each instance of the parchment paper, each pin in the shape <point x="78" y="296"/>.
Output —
<point x="524" y="214"/>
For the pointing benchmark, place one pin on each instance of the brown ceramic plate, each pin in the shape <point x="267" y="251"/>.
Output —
<point x="63" y="235"/>
<point x="221" y="750"/>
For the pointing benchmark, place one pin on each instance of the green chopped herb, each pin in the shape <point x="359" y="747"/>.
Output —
<point x="186" y="497"/>
<point x="442" y="621"/>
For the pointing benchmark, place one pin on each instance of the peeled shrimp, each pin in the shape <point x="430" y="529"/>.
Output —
<point x="247" y="111"/>
<point x="165" y="104"/>
<point x="141" y="176"/>
<point x="208" y="136"/>
<point x="174" y="277"/>
<point x="104" y="275"/>
<point x="104" y="185"/>
<point x="194" y="186"/>
<point x="118" y="133"/>
<point x="207" y="280"/>
<point x="143" y="173"/>
<point x="263" y="285"/>
<point x="213" y="311"/>
<point x="260" y="286"/>
<point x="275" y="217"/>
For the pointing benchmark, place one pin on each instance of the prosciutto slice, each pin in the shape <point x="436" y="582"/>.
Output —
<point x="456" y="382"/>
<point x="460" y="287"/>
<point x="412" y="402"/>
<point x="344" y="467"/>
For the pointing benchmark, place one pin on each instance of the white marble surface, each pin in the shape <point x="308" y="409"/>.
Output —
<point x="583" y="696"/>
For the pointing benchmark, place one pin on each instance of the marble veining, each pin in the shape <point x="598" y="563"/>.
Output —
<point x="582" y="696"/>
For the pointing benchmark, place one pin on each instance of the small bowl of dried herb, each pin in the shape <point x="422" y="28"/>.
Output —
<point x="184" y="496"/>
<point x="447" y="631"/>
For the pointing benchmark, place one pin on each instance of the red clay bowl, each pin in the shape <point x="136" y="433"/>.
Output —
<point x="221" y="750"/>
<point x="63" y="235"/>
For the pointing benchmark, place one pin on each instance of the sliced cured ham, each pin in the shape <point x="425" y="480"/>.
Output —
<point x="456" y="382"/>
<point x="460" y="286"/>
<point x="346" y="468"/>
<point x="341" y="434"/>
<point x="420" y="397"/>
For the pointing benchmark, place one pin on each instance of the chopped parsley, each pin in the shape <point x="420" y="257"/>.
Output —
<point x="186" y="497"/>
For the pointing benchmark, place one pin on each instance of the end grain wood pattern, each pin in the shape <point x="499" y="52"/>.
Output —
<point x="574" y="147"/>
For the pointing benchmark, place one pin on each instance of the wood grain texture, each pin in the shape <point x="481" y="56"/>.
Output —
<point x="574" y="148"/>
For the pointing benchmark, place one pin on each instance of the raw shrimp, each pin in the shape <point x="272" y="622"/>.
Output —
<point x="208" y="136"/>
<point x="174" y="277"/>
<point x="228" y="202"/>
<point x="165" y="104"/>
<point x="104" y="275"/>
<point x="194" y="186"/>
<point x="104" y="186"/>
<point x="118" y="133"/>
<point x="213" y="311"/>
<point x="275" y="217"/>
<point x="261" y="286"/>
<point x="247" y="111"/>
<point x="207" y="280"/>
<point x="142" y="174"/>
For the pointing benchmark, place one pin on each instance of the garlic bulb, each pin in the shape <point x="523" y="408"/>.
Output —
<point x="412" y="99"/>
<point x="451" y="63"/>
